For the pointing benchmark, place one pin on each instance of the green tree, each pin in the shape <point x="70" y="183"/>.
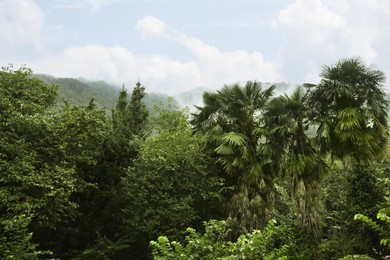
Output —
<point x="138" y="113"/>
<point x="288" y="120"/>
<point x="76" y="139"/>
<point x="168" y="187"/>
<point x="117" y="150"/>
<point x="129" y="119"/>
<point x="350" y="108"/>
<point x="35" y="191"/>
<point x="231" y="120"/>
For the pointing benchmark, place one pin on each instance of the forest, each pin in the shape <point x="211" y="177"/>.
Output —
<point x="249" y="174"/>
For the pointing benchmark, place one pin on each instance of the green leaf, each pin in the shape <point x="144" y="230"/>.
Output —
<point x="235" y="139"/>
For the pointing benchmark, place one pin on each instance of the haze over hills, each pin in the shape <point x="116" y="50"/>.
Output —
<point x="80" y="91"/>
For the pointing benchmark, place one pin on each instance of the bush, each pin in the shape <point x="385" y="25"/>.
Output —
<point x="275" y="241"/>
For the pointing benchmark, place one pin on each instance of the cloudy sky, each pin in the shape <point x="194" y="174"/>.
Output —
<point x="177" y="45"/>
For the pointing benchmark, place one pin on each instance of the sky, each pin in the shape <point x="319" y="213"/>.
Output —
<point x="173" y="46"/>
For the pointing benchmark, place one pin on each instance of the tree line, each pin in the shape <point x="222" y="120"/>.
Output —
<point x="248" y="175"/>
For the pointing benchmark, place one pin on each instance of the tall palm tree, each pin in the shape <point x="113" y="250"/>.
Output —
<point x="349" y="105"/>
<point x="288" y="120"/>
<point x="232" y="123"/>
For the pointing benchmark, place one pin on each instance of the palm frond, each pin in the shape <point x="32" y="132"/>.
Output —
<point x="224" y="149"/>
<point x="234" y="139"/>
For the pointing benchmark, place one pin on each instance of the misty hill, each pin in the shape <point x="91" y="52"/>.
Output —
<point x="80" y="92"/>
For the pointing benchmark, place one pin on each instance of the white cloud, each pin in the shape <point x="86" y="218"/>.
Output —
<point x="309" y="29"/>
<point x="314" y="33"/>
<point x="151" y="25"/>
<point x="208" y="67"/>
<point x="318" y="32"/>
<point x="215" y="66"/>
<point x="21" y="24"/>
<point x="308" y="14"/>
<point x="119" y="65"/>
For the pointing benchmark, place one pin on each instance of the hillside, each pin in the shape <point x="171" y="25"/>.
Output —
<point x="80" y="92"/>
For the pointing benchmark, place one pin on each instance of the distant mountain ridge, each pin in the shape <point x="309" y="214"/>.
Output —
<point x="80" y="92"/>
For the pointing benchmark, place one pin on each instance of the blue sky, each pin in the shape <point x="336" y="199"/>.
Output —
<point x="176" y="45"/>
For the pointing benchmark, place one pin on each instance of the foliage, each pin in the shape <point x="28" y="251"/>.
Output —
<point x="76" y="183"/>
<point x="287" y="118"/>
<point x="168" y="187"/>
<point x="78" y="134"/>
<point x="383" y="230"/>
<point x="129" y="119"/>
<point x="15" y="242"/>
<point x="138" y="112"/>
<point x="102" y="249"/>
<point x="343" y="199"/>
<point x="231" y="123"/>
<point x="21" y="94"/>
<point x="116" y="148"/>
<point x="335" y="236"/>
<point x="35" y="189"/>
<point x="274" y="242"/>
<point x="350" y="107"/>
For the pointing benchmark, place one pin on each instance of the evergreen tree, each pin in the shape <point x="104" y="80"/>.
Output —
<point x="119" y="149"/>
<point x="138" y="113"/>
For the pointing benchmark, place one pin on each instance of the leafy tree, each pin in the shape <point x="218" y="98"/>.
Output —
<point x="77" y="135"/>
<point x="168" y="187"/>
<point x="35" y="191"/>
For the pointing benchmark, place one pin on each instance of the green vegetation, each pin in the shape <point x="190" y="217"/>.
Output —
<point x="249" y="175"/>
<point x="79" y="92"/>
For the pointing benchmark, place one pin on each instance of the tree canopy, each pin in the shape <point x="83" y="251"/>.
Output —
<point x="248" y="175"/>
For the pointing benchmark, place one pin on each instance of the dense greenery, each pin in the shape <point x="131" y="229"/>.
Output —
<point x="249" y="175"/>
<point x="79" y="92"/>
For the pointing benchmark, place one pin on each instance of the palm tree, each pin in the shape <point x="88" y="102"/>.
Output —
<point x="287" y="118"/>
<point x="232" y="123"/>
<point x="350" y="107"/>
